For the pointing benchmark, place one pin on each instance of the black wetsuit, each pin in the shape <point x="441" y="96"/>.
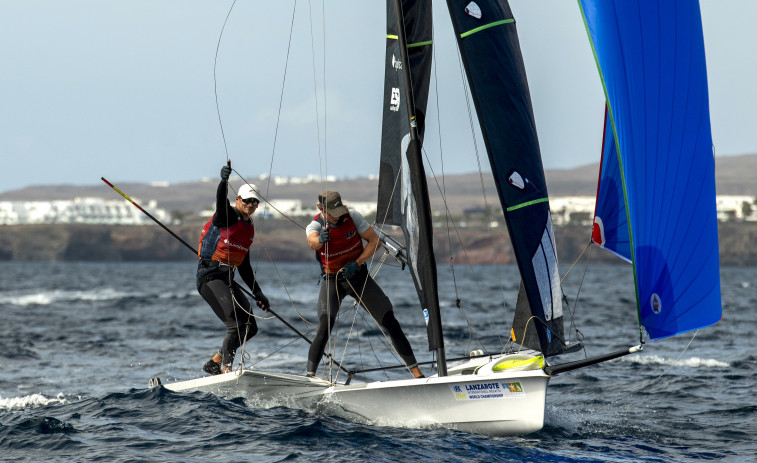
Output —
<point x="334" y="289"/>
<point x="215" y="283"/>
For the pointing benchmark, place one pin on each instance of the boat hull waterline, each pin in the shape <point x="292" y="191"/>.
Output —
<point x="498" y="403"/>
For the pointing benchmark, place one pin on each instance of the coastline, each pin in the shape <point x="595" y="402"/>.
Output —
<point x="285" y="243"/>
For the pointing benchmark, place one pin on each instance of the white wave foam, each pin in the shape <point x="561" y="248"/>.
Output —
<point x="55" y="296"/>
<point x="30" y="401"/>
<point x="692" y="362"/>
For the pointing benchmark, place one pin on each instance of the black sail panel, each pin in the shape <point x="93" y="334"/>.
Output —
<point x="490" y="50"/>
<point x="403" y="192"/>
<point x="418" y="28"/>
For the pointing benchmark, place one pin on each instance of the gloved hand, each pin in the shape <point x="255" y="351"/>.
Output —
<point x="324" y="235"/>
<point x="225" y="173"/>
<point x="349" y="270"/>
<point x="261" y="300"/>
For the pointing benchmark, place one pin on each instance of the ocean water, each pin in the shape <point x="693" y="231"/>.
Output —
<point x="79" y="342"/>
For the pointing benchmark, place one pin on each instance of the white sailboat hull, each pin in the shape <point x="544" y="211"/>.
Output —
<point x="479" y="405"/>
<point x="497" y="403"/>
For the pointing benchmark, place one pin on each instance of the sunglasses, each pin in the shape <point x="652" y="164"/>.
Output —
<point x="252" y="201"/>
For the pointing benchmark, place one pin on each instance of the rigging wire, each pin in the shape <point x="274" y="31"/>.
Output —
<point x="480" y="171"/>
<point x="323" y="169"/>
<point x="325" y="98"/>
<point x="215" y="82"/>
<point x="443" y="191"/>
<point x="649" y="383"/>
<point x="215" y="79"/>
<point x="281" y="99"/>
<point x="226" y="151"/>
<point x="457" y="299"/>
<point x="315" y="84"/>
<point x="273" y="263"/>
<point x="579" y="335"/>
<point x="359" y="299"/>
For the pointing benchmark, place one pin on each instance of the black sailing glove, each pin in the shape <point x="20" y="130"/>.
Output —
<point x="225" y="173"/>
<point x="324" y="235"/>
<point x="349" y="270"/>
<point x="261" y="300"/>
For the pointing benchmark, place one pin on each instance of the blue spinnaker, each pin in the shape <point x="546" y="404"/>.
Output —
<point x="651" y="61"/>
<point x="610" y="229"/>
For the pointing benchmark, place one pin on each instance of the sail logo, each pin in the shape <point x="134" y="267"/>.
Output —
<point x="516" y="180"/>
<point x="656" y="303"/>
<point x="598" y="231"/>
<point x="487" y="390"/>
<point x="394" y="101"/>
<point x="396" y="64"/>
<point x="472" y="9"/>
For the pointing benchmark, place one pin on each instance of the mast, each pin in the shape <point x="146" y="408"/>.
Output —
<point x="411" y="202"/>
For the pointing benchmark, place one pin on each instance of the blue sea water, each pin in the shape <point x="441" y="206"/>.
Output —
<point x="79" y="342"/>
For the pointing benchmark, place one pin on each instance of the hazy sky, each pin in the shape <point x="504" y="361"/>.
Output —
<point x="125" y="89"/>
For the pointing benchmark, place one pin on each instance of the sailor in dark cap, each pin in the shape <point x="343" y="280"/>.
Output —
<point x="337" y="234"/>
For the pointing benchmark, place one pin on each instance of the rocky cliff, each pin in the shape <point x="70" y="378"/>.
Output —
<point x="284" y="242"/>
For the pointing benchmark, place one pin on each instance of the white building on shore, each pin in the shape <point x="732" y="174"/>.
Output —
<point x="79" y="210"/>
<point x="580" y="209"/>
<point x="565" y="210"/>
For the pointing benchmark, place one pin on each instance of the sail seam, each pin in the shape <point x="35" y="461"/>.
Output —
<point x="486" y="26"/>
<point x="529" y="203"/>
<point x="411" y="45"/>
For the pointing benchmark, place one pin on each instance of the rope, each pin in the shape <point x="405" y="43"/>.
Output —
<point x="226" y="150"/>
<point x="669" y="367"/>
<point x="281" y="98"/>
<point x="215" y="81"/>
<point x="264" y="199"/>
<point x="315" y="86"/>
<point x="362" y="303"/>
<point x="579" y="335"/>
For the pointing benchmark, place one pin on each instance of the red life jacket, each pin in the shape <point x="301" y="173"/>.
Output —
<point x="227" y="245"/>
<point x="343" y="247"/>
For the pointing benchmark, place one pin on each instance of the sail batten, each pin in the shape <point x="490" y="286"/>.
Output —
<point x="486" y="26"/>
<point x="528" y="203"/>
<point x="411" y="45"/>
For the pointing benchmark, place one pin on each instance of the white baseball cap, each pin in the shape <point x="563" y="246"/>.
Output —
<point x="248" y="191"/>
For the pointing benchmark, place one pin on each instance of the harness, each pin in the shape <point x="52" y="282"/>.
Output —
<point x="344" y="246"/>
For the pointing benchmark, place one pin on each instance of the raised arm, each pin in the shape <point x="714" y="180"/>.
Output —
<point x="224" y="215"/>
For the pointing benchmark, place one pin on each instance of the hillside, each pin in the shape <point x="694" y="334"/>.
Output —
<point x="734" y="176"/>
<point x="284" y="241"/>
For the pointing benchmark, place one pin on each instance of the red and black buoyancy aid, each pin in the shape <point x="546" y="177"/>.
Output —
<point x="227" y="245"/>
<point x="343" y="247"/>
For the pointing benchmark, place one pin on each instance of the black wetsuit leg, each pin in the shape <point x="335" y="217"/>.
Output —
<point x="377" y="304"/>
<point x="240" y="326"/>
<point x="329" y="299"/>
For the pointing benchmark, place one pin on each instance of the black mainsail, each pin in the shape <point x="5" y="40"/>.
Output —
<point x="403" y="192"/>
<point x="488" y="42"/>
